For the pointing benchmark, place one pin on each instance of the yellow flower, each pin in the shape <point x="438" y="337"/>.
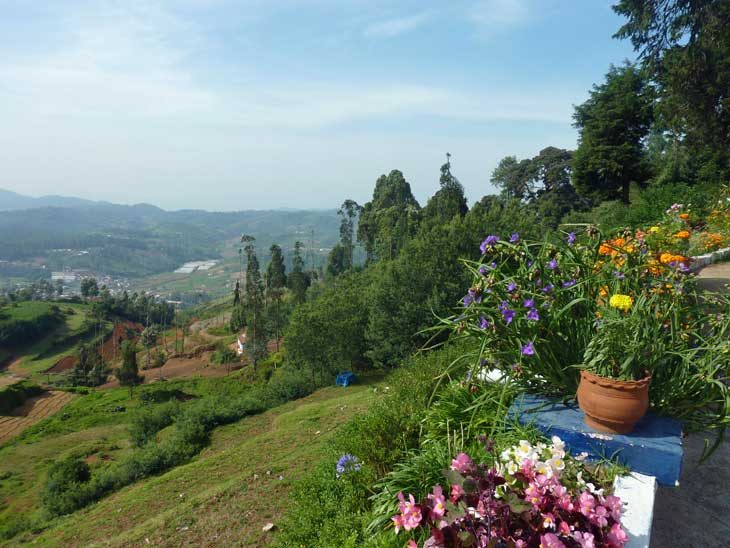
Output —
<point x="621" y="302"/>
<point x="654" y="229"/>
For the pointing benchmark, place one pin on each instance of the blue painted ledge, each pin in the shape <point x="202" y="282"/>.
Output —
<point x="654" y="447"/>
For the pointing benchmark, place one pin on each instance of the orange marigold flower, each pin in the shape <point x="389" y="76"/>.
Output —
<point x="682" y="234"/>
<point x="666" y="258"/>
<point x="684" y="216"/>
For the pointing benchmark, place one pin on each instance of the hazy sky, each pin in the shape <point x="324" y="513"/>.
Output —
<point x="242" y="104"/>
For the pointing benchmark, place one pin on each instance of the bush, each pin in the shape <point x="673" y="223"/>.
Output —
<point x="64" y="490"/>
<point x="147" y="421"/>
<point x="16" y="394"/>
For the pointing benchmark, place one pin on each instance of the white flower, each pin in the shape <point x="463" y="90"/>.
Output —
<point x="592" y="489"/>
<point x="506" y="455"/>
<point x="544" y="468"/>
<point x="557" y="463"/>
<point x="512" y="468"/>
<point x="583" y="456"/>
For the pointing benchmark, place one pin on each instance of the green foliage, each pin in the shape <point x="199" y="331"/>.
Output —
<point x="684" y="46"/>
<point x="89" y="287"/>
<point x="389" y="219"/>
<point x="64" y="487"/>
<point x="16" y="394"/>
<point x="449" y="199"/>
<point x="326" y="334"/>
<point x="28" y="321"/>
<point x="147" y="421"/>
<point x="223" y="355"/>
<point x="613" y="123"/>
<point x="298" y="280"/>
<point x="128" y="373"/>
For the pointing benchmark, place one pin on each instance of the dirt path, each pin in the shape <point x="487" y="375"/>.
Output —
<point x="180" y="367"/>
<point x="31" y="412"/>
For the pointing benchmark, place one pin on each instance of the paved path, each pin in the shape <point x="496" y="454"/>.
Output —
<point x="695" y="514"/>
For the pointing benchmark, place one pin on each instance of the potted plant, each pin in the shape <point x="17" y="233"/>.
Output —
<point x="614" y="385"/>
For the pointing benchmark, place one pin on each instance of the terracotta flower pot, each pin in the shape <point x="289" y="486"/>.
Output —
<point x="610" y="405"/>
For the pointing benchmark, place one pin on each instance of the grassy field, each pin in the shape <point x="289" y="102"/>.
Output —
<point x="40" y="355"/>
<point x="224" y="496"/>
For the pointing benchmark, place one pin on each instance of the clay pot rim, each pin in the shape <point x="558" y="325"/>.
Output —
<point x="607" y="382"/>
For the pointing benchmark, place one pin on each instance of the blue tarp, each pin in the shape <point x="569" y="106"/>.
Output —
<point x="653" y="448"/>
<point x="344" y="379"/>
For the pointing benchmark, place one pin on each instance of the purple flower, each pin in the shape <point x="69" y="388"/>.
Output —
<point x="511" y="286"/>
<point x="569" y="283"/>
<point x="514" y="238"/>
<point x="571" y="238"/>
<point x="467" y="300"/>
<point x="618" y="274"/>
<point x="488" y="242"/>
<point x="528" y="349"/>
<point x="528" y="303"/>
<point x="508" y="314"/>
<point x="483" y="322"/>
<point x="548" y="288"/>
<point x="553" y="264"/>
<point x="529" y="263"/>
<point x="347" y="464"/>
<point x="532" y="315"/>
<point x="476" y="296"/>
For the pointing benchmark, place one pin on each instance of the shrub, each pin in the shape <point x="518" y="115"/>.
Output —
<point x="64" y="490"/>
<point x="147" y="421"/>
<point x="16" y="394"/>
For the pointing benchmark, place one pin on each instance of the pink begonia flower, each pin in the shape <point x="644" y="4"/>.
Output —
<point x="398" y="521"/>
<point x="548" y="521"/>
<point x="615" y="506"/>
<point x="462" y="463"/>
<point x="532" y="495"/>
<point x="566" y="503"/>
<point x="584" y="540"/>
<point x="550" y="540"/>
<point x="412" y="544"/>
<point x="439" y="502"/>
<point x="456" y="492"/>
<point x="599" y="516"/>
<point x="616" y="537"/>
<point x="527" y="468"/>
<point x="586" y="503"/>
<point x="410" y="514"/>
<point x="564" y="528"/>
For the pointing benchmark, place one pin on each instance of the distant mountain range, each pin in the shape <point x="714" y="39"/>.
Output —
<point x="12" y="201"/>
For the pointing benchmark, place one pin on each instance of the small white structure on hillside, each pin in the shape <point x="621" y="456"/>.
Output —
<point x="241" y="344"/>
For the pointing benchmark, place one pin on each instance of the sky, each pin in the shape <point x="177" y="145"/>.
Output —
<point x="258" y="104"/>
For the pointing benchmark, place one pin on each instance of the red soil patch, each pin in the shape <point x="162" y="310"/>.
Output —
<point x="109" y="350"/>
<point x="31" y="412"/>
<point x="179" y="368"/>
<point x="64" y="364"/>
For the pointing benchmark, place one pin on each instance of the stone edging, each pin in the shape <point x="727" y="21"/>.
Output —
<point x="700" y="261"/>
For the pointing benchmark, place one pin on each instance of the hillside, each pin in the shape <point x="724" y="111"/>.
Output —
<point x="224" y="496"/>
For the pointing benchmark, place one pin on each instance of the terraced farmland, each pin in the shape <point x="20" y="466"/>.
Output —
<point x="31" y="412"/>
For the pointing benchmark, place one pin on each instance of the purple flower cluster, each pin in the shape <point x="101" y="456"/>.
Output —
<point x="488" y="243"/>
<point x="346" y="464"/>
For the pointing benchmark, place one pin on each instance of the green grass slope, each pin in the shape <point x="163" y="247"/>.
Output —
<point x="223" y="497"/>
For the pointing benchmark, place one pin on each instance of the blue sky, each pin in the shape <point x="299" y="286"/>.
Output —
<point x="252" y="104"/>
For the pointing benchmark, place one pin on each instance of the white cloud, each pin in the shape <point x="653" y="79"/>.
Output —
<point x="396" y="26"/>
<point x="492" y="14"/>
